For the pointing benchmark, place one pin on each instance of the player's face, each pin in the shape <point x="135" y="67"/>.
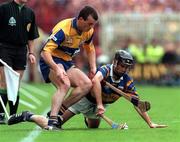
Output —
<point x="120" y="69"/>
<point x="86" y="25"/>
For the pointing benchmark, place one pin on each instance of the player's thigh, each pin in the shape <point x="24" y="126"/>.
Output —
<point x="77" y="77"/>
<point x="57" y="81"/>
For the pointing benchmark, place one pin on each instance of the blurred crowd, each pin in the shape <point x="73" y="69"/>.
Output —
<point x="49" y="12"/>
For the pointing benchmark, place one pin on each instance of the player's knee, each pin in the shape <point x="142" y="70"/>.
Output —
<point x="93" y="126"/>
<point x="66" y="85"/>
<point x="63" y="87"/>
<point x="92" y="123"/>
<point x="87" y="85"/>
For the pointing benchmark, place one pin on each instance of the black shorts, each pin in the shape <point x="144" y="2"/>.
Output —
<point x="14" y="56"/>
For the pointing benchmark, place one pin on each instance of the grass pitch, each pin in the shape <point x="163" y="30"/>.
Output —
<point x="164" y="110"/>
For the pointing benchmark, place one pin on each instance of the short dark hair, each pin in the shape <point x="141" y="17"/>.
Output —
<point x="86" y="11"/>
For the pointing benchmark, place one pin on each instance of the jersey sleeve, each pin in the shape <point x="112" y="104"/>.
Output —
<point x="1" y="14"/>
<point x="88" y="44"/>
<point x="58" y="37"/>
<point x="104" y="70"/>
<point x="33" y="32"/>
<point x="130" y="87"/>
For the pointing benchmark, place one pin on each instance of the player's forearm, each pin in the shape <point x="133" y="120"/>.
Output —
<point x="92" y="60"/>
<point x="31" y="44"/>
<point x="48" y="59"/>
<point x="144" y="115"/>
<point x="96" y="90"/>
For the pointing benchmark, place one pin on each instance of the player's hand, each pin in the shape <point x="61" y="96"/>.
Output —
<point x="100" y="110"/>
<point x="92" y="73"/>
<point x="154" y="125"/>
<point x="103" y="82"/>
<point x="60" y="74"/>
<point x="32" y="58"/>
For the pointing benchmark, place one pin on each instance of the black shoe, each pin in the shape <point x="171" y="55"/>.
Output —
<point x="2" y="118"/>
<point x="53" y="124"/>
<point x="22" y="117"/>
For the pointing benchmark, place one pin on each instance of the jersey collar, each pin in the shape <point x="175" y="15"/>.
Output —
<point x="74" y="25"/>
<point x="111" y="75"/>
<point x="20" y="6"/>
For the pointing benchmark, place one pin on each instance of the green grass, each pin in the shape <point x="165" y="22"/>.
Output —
<point x="164" y="110"/>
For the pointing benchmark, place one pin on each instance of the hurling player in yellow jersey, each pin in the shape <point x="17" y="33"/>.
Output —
<point x="56" y="62"/>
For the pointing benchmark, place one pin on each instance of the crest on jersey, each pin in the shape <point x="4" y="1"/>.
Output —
<point x="12" y="21"/>
<point x="28" y="27"/>
<point x="69" y="40"/>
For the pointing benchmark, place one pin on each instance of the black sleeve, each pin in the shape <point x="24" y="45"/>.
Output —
<point x="1" y="15"/>
<point x="33" y="32"/>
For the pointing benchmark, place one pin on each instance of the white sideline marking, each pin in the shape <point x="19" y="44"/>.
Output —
<point x="28" y="95"/>
<point x="27" y="104"/>
<point x="35" y="133"/>
<point x="35" y="90"/>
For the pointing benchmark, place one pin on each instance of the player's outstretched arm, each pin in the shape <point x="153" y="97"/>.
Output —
<point x="147" y="119"/>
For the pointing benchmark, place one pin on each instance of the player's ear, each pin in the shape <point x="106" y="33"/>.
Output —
<point x="81" y="19"/>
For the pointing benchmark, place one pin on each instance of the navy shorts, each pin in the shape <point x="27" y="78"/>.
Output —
<point x="14" y="56"/>
<point x="45" y="69"/>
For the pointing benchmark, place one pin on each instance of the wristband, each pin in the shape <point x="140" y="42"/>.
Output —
<point x="134" y="101"/>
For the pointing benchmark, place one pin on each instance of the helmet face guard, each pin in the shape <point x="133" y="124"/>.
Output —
<point x="124" y="59"/>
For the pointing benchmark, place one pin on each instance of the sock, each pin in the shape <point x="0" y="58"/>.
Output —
<point x="13" y="108"/>
<point x="62" y="110"/>
<point x="3" y="94"/>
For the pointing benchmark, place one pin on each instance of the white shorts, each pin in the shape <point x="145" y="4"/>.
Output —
<point x="87" y="108"/>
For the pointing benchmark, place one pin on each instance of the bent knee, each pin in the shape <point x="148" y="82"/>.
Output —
<point x="64" y="85"/>
<point x="90" y="123"/>
<point x="86" y="84"/>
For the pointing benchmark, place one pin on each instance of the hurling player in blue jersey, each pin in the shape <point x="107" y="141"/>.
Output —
<point x="56" y="61"/>
<point x="116" y="74"/>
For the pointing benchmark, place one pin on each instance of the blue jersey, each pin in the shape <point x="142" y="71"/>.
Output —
<point x="125" y="83"/>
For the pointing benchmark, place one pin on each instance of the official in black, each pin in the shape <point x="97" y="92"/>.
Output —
<point x="18" y="31"/>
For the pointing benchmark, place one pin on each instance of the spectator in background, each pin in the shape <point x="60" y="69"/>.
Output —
<point x="137" y="50"/>
<point x="170" y="56"/>
<point x="18" y="31"/>
<point x="154" y="52"/>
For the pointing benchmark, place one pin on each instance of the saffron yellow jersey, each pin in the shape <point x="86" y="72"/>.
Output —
<point x="66" y="40"/>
